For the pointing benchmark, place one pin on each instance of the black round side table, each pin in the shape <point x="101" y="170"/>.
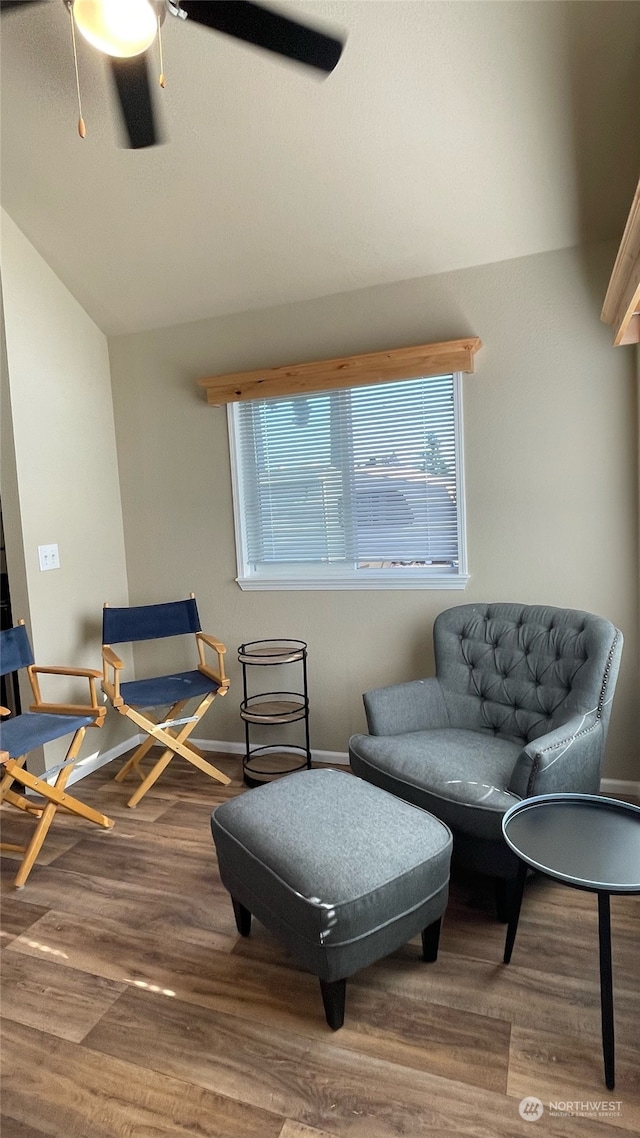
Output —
<point x="264" y="763"/>
<point x="589" y="843"/>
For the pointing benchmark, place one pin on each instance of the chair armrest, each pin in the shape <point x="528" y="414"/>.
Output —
<point x="89" y="674"/>
<point x="566" y="760"/>
<point x="98" y="713"/>
<point x="219" y="676"/>
<point x="212" y="642"/>
<point x="111" y="683"/>
<point x="415" y="706"/>
<point x="109" y="657"/>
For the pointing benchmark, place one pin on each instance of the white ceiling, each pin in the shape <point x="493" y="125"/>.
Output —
<point x="450" y="134"/>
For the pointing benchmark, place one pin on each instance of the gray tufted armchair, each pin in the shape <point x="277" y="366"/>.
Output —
<point x="520" y="705"/>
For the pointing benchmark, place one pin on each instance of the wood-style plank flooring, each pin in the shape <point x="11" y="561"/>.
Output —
<point x="132" y="1009"/>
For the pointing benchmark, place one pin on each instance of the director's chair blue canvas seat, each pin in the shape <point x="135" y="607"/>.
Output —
<point x="137" y="699"/>
<point x="43" y="723"/>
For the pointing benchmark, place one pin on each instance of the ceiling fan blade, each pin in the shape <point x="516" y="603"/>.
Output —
<point x="6" y="5"/>
<point x="134" y="95"/>
<point x="264" y="28"/>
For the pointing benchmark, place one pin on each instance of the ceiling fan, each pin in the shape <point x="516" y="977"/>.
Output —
<point x="125" y="29"/>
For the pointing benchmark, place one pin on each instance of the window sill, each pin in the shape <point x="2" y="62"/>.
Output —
<point x="370" y="581"/>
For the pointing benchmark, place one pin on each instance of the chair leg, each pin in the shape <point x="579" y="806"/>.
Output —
<point x="175" y="744"/>
<point x="334" y="994"/>
<point x="430" y="941"/>
<point x="58" y="795"/>
<point x="21" y="802"/>
<point x="6" y="780"/>
<point x="132" y="762"/>
<point x="196" y="750"/>
<point x="10" y="767"/>
<point x="35" y="845"/>
<point x="152" y="777"/>
<point x="205" y="767"/>
<point x="163" y="763"/>
<point x="243" y="917"/>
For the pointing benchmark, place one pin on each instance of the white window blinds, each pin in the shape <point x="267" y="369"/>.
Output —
<point x="355" y="486"/>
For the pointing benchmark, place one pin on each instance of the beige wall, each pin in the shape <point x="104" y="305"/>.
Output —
<point x="60" y="473"/>
<point x="550" y="444"/>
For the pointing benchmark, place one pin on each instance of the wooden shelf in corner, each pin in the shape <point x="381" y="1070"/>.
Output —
<point x="621" y="306"/>
<point x="347" y="371"/>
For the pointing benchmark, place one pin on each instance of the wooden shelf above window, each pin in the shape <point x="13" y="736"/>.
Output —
<point x="621" y="306"/>
<point x="347" y="371"/>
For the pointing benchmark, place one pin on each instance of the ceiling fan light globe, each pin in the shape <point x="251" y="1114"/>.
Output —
<point x="121" y="28"/>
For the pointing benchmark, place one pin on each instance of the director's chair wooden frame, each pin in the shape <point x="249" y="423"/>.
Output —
<point x="136" y="698"/>
<point x="44" y="722"/>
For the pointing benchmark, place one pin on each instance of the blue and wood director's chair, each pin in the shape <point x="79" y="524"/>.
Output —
<point x="44" y="722"/>
<point x="136" y="699"/>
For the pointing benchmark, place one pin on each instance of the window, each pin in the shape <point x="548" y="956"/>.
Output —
<point x="358" y="488"/>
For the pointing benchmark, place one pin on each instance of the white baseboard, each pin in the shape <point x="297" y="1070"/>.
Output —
<point x="613" y="787"/>
<point x="608" y="786"/>
<point x="340" y="758"/>
<point x="221" y="746"/>
<point x="94" y="762"/>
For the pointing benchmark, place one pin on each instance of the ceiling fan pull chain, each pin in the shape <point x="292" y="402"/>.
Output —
<point x="82" y="130"/>
<point x="162" y="80"/>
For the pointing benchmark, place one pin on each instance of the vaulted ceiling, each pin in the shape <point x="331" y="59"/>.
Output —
<point x="449" y="135"/>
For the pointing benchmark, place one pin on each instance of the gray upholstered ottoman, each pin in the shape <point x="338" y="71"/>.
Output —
<point x="341" y="871"/>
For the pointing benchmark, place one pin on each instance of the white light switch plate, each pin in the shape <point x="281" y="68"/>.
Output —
<point x="49" y="557"/>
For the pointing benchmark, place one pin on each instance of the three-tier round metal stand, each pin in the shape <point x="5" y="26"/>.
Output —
<point x="263" y="763"/>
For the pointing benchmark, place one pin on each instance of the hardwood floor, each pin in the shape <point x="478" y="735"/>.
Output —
<point x="132" y="1009"/>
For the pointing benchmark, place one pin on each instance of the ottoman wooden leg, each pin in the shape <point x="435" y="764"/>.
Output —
<point x="430" y="939"/>
<point x="333" y="997"/>
<point x="243" y="918"/>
